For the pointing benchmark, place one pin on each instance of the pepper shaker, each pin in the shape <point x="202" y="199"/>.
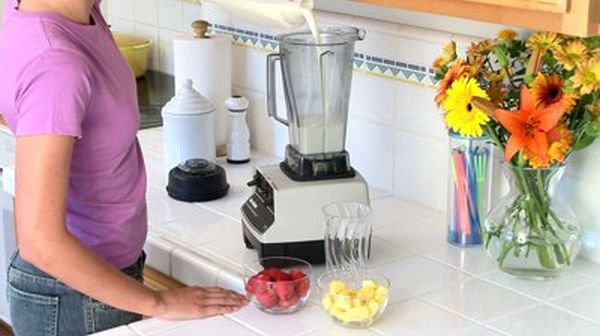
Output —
<point x="238" y="141"/>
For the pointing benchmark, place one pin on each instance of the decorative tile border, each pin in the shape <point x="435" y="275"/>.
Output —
<point x="386" y="68"/>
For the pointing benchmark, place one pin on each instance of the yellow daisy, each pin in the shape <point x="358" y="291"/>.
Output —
<point x="462" y="116"/>
<point x="572" y="54"/>
<point x="448" y="55"/>
<point x="543" y="41"/>
<point x="507" y="35"/>
<point x="587" y="77"/>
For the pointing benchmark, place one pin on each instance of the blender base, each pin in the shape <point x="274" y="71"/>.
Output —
<point x="311" y="251"/>
<point x="316" y="167"/>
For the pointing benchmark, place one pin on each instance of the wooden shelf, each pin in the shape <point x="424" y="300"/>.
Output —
<point x="573" y="17"/>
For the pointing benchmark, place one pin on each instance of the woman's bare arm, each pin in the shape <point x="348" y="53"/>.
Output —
<point x="42" y="175"/>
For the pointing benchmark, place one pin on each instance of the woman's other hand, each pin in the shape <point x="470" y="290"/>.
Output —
<point x="197" y="302"/>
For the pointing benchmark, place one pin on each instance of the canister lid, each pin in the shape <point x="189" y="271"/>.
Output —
<point x="188" y="101"/>
<point x="237" y="104"/>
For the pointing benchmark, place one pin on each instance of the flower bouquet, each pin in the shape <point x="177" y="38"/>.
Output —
<point x="537" y="99"/>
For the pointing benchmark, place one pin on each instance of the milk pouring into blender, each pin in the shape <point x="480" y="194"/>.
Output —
<point x="284" y="216"/>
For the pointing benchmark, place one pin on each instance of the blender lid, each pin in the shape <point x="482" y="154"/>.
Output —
<point x="188" y="101"/>
<point x="197" y="180"/>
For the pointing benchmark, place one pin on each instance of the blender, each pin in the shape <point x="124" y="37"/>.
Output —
<point x="284" y="216"/>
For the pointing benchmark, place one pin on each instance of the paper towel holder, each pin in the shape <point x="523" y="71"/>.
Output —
<point x="200" y="28"/>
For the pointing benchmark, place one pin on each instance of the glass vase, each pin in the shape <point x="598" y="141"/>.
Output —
<point x="468" y="188"/>
<point x="530" y="232"/>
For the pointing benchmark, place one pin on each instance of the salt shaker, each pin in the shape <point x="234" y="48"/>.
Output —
<point x="238" y="142"/>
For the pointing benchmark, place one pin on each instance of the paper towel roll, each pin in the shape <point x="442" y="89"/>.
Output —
<point x="207" y="62"/>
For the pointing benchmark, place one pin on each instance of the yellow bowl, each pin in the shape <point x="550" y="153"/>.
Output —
<point x="135" y="50"/>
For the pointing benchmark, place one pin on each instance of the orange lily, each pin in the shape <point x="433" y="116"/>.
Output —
<point x="530" y="126"/>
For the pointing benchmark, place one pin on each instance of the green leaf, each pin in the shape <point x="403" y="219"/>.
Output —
<point x="568" y="87"/>
<point x="593" y="42"/>
<point x="584" y="141"/>
<point x="501" y="56"/>
<point x="528" y="78"/>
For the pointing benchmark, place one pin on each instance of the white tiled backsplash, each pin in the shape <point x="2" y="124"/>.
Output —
<point x="395" y="134"/>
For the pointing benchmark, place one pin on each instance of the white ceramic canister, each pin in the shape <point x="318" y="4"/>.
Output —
<point x="188" y="127"/>
<point x="238" y="139"/>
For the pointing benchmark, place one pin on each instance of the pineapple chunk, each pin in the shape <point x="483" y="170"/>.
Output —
<point x="369" y="284"/>
<point x="339" y="314"/>
<point x="342" y="302"/>
<point x="381" y="294"/>
<point x="356" y="302"/>
<point x="373" y="308"/>
<point x="357" y="314"/>
<point x="366" y="294"/>
<point x="336" y="287"/>
<point x="327" y="302"/>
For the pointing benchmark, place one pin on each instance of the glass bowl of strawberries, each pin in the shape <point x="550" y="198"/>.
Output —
<point x="278" y="285"/>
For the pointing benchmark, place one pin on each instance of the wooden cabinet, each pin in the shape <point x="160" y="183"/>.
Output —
<point x="574" y="17"/>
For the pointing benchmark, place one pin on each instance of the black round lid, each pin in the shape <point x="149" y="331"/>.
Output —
<point x="197" y="180"/>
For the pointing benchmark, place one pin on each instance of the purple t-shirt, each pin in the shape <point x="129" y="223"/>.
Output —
<point x="63" y="78"/>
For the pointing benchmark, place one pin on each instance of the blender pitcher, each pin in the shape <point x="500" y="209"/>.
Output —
<point x="317" y="75"/>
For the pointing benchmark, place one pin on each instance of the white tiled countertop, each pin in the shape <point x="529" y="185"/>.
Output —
<point x="438" y="289"/>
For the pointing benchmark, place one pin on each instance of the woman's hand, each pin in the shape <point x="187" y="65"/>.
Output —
<point x="197" y="302"/>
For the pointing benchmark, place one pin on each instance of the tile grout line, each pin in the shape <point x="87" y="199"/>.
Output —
<point x="523" y="294"/>
<point x="246" y="325"/>
<point x="466" y="317"/>
<point x="241" y="323"/>
<point x="538" y="301"/>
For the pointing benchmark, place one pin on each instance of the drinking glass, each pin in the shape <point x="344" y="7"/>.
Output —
<point x="347" y="236"/>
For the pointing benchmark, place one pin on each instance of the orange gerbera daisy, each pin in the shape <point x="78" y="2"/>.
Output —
<point x="480" y="48"/>
<point x="529" y="126"/>
<point x="456" y="71"/>
<point x="549" y="90"/>
<point x="561" y="138"/>
<point x="448" y="55"/>
<point x="497" y="92"/>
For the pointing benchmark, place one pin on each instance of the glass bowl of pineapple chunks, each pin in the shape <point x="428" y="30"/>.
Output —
<point x="354" y="299"/>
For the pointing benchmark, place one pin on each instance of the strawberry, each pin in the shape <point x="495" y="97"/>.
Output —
<point x="290" y="302"/>
<point x="258" y="283"/>
<point x="267" y="299"/>
<point x="302" y="285"/>
<point x="297" y="273"/>
<point x="276" y="274"/>
<point x="285" y="290"/>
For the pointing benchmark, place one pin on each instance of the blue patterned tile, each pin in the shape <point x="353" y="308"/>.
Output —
<point x="392" y="69"/>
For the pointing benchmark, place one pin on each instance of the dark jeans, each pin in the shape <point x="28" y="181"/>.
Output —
<point x="40" y="305"/>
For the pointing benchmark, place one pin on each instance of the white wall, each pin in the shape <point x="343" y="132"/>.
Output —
<point x="1" y="9"/>
<point x="395" y="134"/>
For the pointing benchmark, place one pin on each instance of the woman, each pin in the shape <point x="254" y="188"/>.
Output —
<point x="70" y="99"/>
